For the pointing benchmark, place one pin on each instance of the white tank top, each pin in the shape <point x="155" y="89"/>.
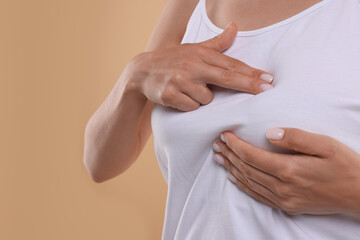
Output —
<point x="315" y="59"/>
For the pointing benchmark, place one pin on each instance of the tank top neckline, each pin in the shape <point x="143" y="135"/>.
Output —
<point x="218" y="30"/>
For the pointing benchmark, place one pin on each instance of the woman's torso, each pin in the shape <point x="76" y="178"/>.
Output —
<point x="315" y="58"/>
<point x="249" y="15"/>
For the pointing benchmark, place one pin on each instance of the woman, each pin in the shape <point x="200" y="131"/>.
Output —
<point x="302" y="183"/>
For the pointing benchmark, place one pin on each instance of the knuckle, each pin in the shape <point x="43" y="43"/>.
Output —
<point x="215" y="41"/>
<point x="236" y="64"/>
<point x="331" y="146"/>
<point x="201" y="50"/>
<point x="208" y="97"/>
<point x="245" y="155"/>
<point x="291" y="170"/>
<point x="176" y="77"/>
<point x="163" y="97"/>
<point x="255" y="73"/>
<point x="288" y="205"/>
<point x="294" y="138"/>
<point x="167" y="94"/>
<point x="281" y="190"/>
<point x="227" y="75"/>
<point x="287" y="174"/>
<point x="187" y="64"/>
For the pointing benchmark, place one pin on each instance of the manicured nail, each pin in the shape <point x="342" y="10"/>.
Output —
<point x="216" y="147"/>
<point x="275" y="133"/>
<point x="222" y="136"/>
<point x="219" y="159"/>
<point x="267" y="77"/>
<point x="265" y="87"/>
<point x="232" y="178"/>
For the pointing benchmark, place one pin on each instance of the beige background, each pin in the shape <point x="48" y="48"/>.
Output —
<point x="58" y="61"/>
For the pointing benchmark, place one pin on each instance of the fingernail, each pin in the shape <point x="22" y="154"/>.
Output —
<point x="223" y="138"/>
<point x="267" y="77"/>
<point x="265" y="87"/>
<point x="232" y="178"/>
<point x="216" y="147"/>
<point x="275" y="133"/>
<point x="219" y="159"/>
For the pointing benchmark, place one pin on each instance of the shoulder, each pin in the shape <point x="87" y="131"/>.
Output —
<point x="171" y="24"/>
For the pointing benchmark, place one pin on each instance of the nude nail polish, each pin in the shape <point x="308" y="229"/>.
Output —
<point x="265" y="87"/>
<point x="275" y="133"/>
<point x="219" y="159"/>
<point x="267" y="77"/>
<point x="232" y="178"/>
<point x="216" y="147"/>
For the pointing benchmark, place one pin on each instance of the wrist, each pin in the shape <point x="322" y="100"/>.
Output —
<point x="131" y="84"/>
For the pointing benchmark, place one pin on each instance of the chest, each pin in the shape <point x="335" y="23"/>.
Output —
<point x="316" y="70"/>
<point x="250" y="15"/>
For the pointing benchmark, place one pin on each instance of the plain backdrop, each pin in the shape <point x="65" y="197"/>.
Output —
<point x="59" y="59"/>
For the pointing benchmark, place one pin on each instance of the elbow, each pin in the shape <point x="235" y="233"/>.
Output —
<point x="96" y="178"/>
<point x="89" y="161"/>
<point x="97" y="173"/>
<point x="93" y="173"/>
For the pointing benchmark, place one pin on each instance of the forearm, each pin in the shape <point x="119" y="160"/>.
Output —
<point x="111" y="134"/>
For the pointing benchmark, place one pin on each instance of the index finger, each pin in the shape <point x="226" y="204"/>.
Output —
<point x="221" y="60"/>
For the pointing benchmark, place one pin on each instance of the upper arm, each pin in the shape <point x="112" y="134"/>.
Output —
<point x="171" y="24"/>
<point x="168" y="31"/>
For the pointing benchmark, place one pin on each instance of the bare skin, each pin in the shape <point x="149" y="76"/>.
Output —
<point x="166" y="73"/>
<point x="119" y="129"/>
<point x="253" y="14"/>
<point x="324" y="178"/>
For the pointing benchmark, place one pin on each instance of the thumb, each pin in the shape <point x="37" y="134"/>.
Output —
<point x="302" y="141"/>
<point x="222" y="41"/>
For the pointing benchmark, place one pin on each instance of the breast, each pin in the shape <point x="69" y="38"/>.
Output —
<point x="317" y="91"/>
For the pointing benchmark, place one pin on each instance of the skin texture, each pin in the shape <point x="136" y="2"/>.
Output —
<point x="323" y="178"/>
<point x="315" y="182"/>
<point x="253" y="14"/>
<point x="118" y="130"/>
<point x="172" y="75"/>
<point x="182" y="82"/>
